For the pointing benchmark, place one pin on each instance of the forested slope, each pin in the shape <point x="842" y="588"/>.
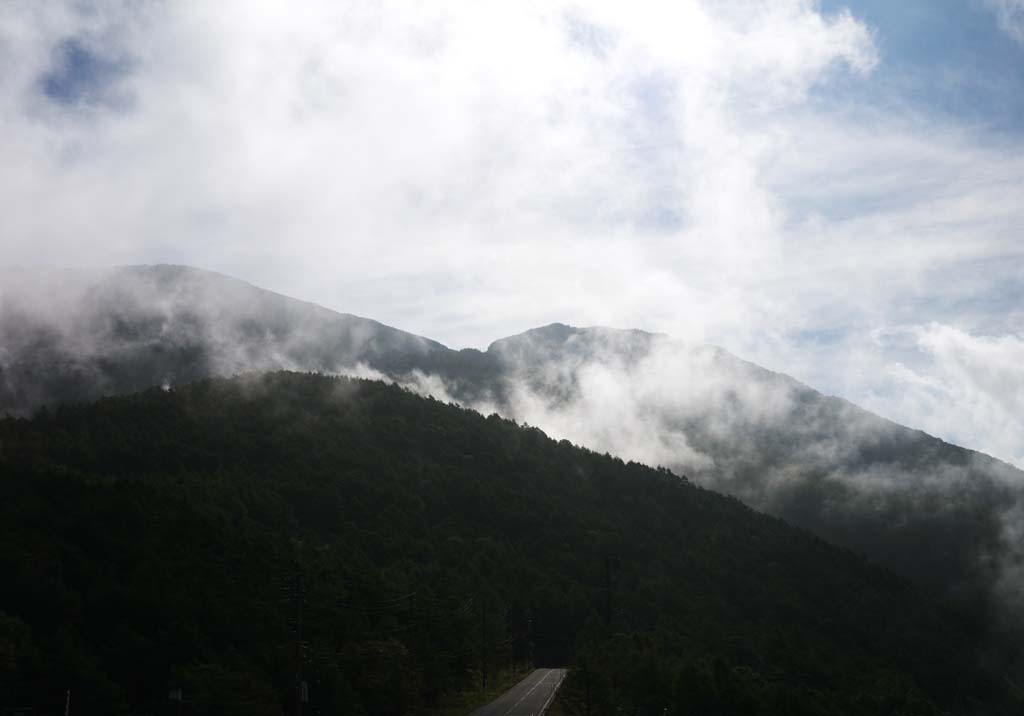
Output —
<point x="224" y="536"/>
<point x="944" y="516"/>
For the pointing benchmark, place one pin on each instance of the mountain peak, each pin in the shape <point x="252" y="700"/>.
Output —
<point x="555" y="335"/>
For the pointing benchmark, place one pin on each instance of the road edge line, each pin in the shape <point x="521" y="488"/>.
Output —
<point x="547" y="704"/>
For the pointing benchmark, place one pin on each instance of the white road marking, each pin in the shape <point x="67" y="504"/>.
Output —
<point x="552" y="697"/>
<point x="539" y="682"/>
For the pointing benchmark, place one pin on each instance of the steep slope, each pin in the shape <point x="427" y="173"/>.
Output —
<point x="225" y="536"/>
<point x="946" y="516"/>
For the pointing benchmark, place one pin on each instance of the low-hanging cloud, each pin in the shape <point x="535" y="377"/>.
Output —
<point x="943" y="515"/>
<point x="467" y="170"/>
<point x="288" y="145"/>
<point x="947" y="517"/>
<point x="969" y="387"/>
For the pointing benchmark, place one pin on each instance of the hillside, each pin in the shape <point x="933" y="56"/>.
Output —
<point x="221" y="536"/>
<point x="77" y="335"/>
<point x="941" y="514"/>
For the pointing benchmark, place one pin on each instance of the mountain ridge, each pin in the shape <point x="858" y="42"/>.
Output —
<point x="941" y="514"/>
<point x="167" y="273"/>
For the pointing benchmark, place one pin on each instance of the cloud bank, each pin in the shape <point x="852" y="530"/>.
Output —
<point x="464" y="171"/>
<point x="969" y="386"/>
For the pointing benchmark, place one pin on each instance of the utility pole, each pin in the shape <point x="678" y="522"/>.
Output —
<point x="483" y="646"/>
<point x="586" y="677"/>
<point x="297" y="596"/>
<point x="608" y="591"/>
<point x="412" y="613"/>
<point x="530" y="637"/>
<point x="175" y="696"/>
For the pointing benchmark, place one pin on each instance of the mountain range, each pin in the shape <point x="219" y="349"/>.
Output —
<point x="945" y="516"/>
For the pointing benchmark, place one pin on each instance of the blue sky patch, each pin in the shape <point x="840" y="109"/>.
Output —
<point x="941" y="57"/>
<point x="81" y="76"/>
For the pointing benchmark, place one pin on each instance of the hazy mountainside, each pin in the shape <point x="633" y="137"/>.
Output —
<point x="946" y="516"/>
<point x="224" y="536"/>
<point x="942" y="514"/>
<point x="77" y="335"/>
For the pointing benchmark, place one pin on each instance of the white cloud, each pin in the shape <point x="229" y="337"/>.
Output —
<point x="967" y="387"/>
<point x="471" y="141"/>
<point x="466" y="170"/>
<point x="1011" y="17"/>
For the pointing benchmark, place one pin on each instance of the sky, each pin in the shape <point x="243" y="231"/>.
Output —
<point x="834" y="190"/>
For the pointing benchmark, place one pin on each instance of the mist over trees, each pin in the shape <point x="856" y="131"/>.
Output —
<point x="220" y="536"/>
<point x="945" y="516"/>
<point x="221" y="499"/>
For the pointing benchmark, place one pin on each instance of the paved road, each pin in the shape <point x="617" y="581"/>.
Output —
<point x="530" y="697"/>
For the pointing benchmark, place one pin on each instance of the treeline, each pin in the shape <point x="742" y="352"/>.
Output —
<point x="236" y="538"/>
